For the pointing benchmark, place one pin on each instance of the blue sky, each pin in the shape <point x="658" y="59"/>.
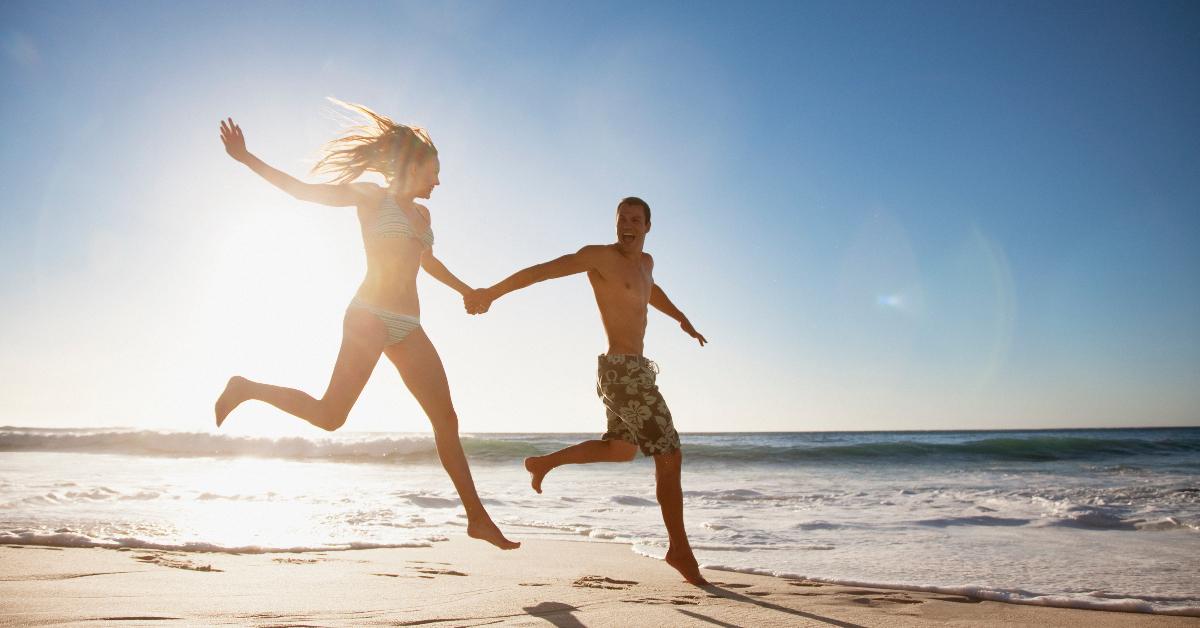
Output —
<point x="883" y="215"/>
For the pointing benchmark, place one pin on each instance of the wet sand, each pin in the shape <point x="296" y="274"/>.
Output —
<point x="463" y="582"/>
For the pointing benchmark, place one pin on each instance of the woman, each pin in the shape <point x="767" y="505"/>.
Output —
<point x="384" y="316"/>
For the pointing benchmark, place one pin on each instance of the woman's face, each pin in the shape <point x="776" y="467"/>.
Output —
<point x="424" y="177"/>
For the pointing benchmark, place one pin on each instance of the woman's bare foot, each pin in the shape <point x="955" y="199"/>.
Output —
<point x="485" y="530"/>
<point x="537" y="471"/>
<point x="234" y="395"/>
<point x="685" y="563"/>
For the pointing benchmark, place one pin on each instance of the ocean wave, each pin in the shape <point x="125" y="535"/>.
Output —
<point x="791" y="450"/>
<point x="738" y="495"/>
<point x="632" y="500"/>
<point x="73" y="539"/>
<point x="818" y="525"/>
<point x="1036" y="448"/>
<point x="980" y="520"/>
<point x="1092" y="519"/>
<point x="391" y="449"/>
<point x="1166" y="524"/>
<point x="92" y="496"/>
<point x="1101" y="518"/>
<point x="422" y="500"/>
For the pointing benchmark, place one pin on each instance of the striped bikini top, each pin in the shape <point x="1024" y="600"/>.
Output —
<point x="392" y="222"/>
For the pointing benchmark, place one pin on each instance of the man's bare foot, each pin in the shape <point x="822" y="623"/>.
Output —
<point x="537" y="471"/>
<point x="233" y="395"/>
<point x="685" y="563"/>
<point x="485" y="530"/>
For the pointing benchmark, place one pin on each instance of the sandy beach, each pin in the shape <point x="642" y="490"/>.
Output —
<point x="461" y="582"/>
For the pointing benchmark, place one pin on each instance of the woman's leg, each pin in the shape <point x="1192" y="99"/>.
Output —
<point x="363" y="338"/>
<point x="422" y="371"/>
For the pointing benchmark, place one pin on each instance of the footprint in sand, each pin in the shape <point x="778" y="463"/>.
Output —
<point x="430" y="571"/>
<point x="174" y="563"/>
<point x="533" y="584"/>
<point x="803" y="583"/>
<point x="602" y="582"/>
<point x="139" y="618"/>
<point x="679" y="600"/>
<point x="397" y="575"/>
<point x="870" y="601"/>
<point x="296" y="561"/>
<point x="899" y="600"/>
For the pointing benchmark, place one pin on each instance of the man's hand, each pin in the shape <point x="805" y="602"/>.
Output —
<point x="687" y="328"/>
<point x="478" y="301"/>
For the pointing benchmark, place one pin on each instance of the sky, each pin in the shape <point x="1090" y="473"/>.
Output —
<point x="883" y="216"/>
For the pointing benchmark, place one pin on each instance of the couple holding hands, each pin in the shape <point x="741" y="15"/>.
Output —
<point x="384" y="318"/>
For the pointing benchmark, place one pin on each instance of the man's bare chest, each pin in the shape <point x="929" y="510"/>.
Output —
<point x="624" y="282"/>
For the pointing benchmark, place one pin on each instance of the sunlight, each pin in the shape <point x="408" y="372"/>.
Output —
<point x="276" y="279"/>
<point x="236" y="494"/>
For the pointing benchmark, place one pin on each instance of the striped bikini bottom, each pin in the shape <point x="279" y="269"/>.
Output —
<point x="399" y="326"/>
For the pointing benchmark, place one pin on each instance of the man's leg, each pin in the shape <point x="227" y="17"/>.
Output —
<point x="583" y="453"/>
<point x="667" y="469"/>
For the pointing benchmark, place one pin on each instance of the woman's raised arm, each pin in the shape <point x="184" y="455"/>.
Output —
<point x="335" y="195"/>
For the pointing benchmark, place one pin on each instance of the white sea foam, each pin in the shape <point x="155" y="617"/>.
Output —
<point x="1104" y="602"/>
<point x="633" y="500"/>
<point x="68" y="539"/>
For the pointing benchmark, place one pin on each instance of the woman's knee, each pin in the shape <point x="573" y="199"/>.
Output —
<point x="331" y="417"/>
<point x="444" y="422"/>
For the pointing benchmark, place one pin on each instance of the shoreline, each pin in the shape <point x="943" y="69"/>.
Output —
<point x="466" y="582"/>
<point x="66" y="541"/>
<point x="974" y="592"/>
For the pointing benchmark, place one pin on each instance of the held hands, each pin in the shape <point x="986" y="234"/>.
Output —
<point x="478" y="301"/>
<point x="687" y="328"/>
<point x="235" y="142"/>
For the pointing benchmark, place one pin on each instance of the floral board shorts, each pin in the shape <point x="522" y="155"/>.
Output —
<point x="636" y="411"/>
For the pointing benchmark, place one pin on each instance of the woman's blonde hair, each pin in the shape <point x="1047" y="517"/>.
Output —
<point x="385" y="147"/>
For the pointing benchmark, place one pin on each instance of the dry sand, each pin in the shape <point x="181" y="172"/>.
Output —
<point x="466" y="583"/>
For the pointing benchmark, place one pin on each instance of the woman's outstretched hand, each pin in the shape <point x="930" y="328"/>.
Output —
<point x="235" y="142"/>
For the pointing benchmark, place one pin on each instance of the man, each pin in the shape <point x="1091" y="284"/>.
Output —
<point x="638" y="418"/>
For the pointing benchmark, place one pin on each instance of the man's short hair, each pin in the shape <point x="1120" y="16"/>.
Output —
<point x="633" y="200"/>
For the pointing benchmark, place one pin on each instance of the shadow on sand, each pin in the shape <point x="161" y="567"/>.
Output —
<point x="738" y="597"/>
<point x="556" y="613"/>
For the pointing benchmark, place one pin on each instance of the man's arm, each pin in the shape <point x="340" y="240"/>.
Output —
<point x="659" y="300"/>
<point x="573" y="263"/>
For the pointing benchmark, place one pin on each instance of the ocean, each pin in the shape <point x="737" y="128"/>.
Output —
<point x="1076" y="518"/>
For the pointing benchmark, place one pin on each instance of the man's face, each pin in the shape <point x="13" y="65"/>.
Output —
<point x="631" y="224"/>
